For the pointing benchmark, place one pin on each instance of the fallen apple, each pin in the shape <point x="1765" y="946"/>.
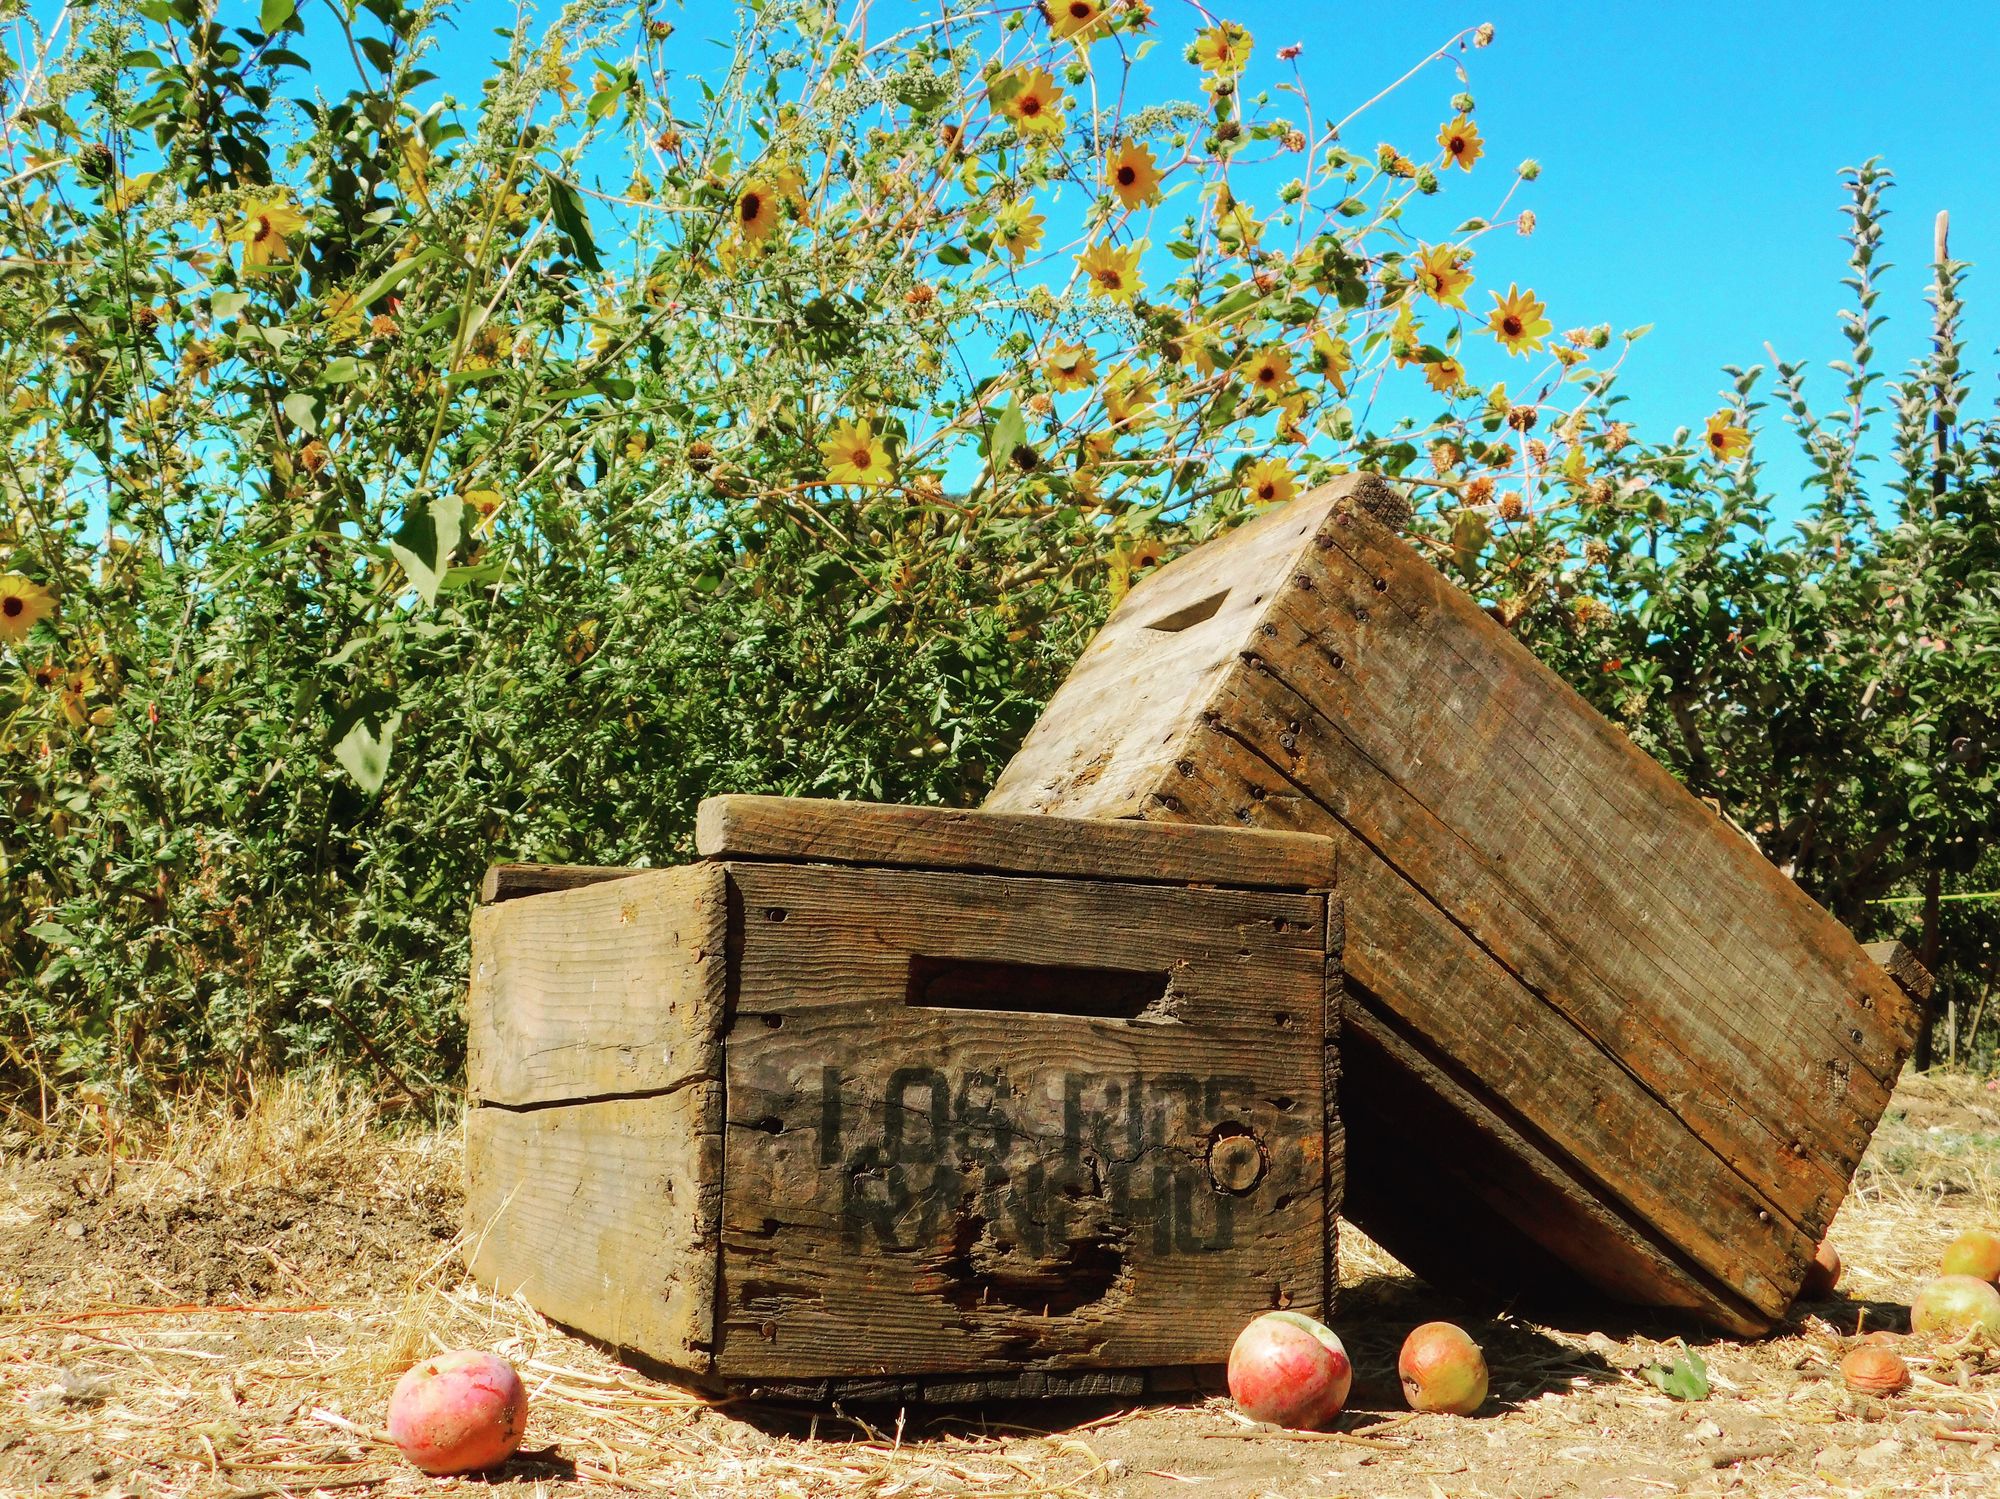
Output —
<point x="1872" y="1370"/>
<point x="1976" y="1252"/>
<point x="458" y="1412"/>
<point x="1442" y="1369"/>
<point x="1289" y="1370"/>
<point x="1823" y="1274"/>
<point x="1955" y="1305"/>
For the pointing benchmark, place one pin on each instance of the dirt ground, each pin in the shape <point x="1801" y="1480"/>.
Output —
<point x="222" y="1308"/>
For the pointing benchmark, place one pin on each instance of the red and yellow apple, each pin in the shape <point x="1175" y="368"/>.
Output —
<point x="1289" y="1370"/>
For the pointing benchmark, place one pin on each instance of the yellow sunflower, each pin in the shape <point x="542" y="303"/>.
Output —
<point x="1071" y="366"/>
<point x="1113" y="271"/>
<point x="1518" y="320"/>
<point x="757" y="209"/>
<point x="1133" y="174"/>
<point x="1223" y="50"/>
<point x="1017" y="230"/>
<point x="1461" y="142"/>
<point x="342" y="315"/>
<point x="486" y="503"/>
<point x="268" y="222"/>
<point x="1269" y="481"/>
<point x="24" y="604"/>
<point x="1332" y="359"/>
<point x="1034" y="105"/>
<point x="1269" y="370"/>
<point x="1445" y="375"/>
<point x="1077" y="19"/>
<point x="855" y="455"/>
<point x="1442" y="274"/>
<point x="1725" y="439"/>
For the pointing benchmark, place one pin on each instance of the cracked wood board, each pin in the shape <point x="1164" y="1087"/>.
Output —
<point x="1591" y="982"/>
<point x="842" y="1125"/>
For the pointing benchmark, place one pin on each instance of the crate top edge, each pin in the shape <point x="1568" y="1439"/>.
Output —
<point x="968" y="840"/>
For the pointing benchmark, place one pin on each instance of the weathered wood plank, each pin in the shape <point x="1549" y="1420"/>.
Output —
<point x="799" y="829"/>
<point x="599" y="990"/>
<point x="917" y="1189"/>
<point x="1701" y="1042"/>
<point x="1646" y="1160"/>
<point x="512" y="881"/>
<point x="1902" y="965"/>
<point x="604" y="1216"/>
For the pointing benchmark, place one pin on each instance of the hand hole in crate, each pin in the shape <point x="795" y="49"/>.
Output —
<point x="1037" y="988"/>
<point x="1189" y="615"/>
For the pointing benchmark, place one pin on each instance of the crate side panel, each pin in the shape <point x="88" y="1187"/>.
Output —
<point x="914" y="1189"/>
<point x="604" y="1216"/>
<point x="609" y="989"/>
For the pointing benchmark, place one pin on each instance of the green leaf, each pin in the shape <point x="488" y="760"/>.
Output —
<point x="363" y="735"/>
<point x="390" y="279"/>
<point x="953" y="255"/>
<point x="426" y="541"/>
<point x="273" y="14"/>
<point x="339" y="371"/>
<point x="299" y="411"/>
<point x="53" y="934"/>
<point x="1686" y="1378"/>
<point x="228" y="303"/>
<point x="566" y="204"/>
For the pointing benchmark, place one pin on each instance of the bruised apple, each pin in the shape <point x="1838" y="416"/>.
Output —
<point x="458" y="1412"/>
<point x="1289" y="1370"/>
<point x="1976" y="1252"/>
<point x="1442" y="1369"/>
<point x="1954" y="1305"/>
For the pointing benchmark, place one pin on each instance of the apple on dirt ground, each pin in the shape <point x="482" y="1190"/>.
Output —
<point x="1443" y="1370"/>
<point x="459" y="1412"/>
<point x="1976" y="1252"/>
<point x="1955" y="1305"/>
<point x="1289" y="1370"/>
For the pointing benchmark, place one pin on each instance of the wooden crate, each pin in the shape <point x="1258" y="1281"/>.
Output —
<point x="911" y="1102"/>
<point x="1591" y="1033"/>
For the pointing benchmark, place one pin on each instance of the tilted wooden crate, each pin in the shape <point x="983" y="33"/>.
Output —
<point x="1591" y="1034"/>
<point x="912" y="1102"/>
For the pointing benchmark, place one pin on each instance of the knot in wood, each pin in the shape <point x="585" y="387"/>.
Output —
<point x="1235" y="1163"/>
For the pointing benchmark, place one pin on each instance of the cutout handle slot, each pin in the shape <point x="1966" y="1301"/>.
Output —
<point x="1035" y="988"/>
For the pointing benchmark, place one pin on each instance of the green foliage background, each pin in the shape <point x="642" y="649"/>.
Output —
<point x="490" y="519"/>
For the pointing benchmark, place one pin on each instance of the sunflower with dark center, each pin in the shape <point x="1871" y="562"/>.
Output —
<point x="1269" y="481"/>
<point x="1135" y="177"/>
<point x="1725" y="439"/>
<point x="24" y="603"/>
<point x="1518" y="320"/>
<point x="855" y="455"/>
<point x="1442" y="274"/>
<point x="1270" y="369"/>
<point x="1071" y="19"/>
<point x="1461" y="142"/>
<point x="1444" y="375"/>
<point x="1034" y="106"/>
<point x="1112" y="270"/>
<point x="757" y="211"/>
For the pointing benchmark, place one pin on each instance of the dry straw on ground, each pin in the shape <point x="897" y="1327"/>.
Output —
<point x="219" y="1306"/>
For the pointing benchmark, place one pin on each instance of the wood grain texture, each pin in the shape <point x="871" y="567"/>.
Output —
<point x="1903" y="966"/>
<point x="1678" y="1035"/>
<point x="914" y="1190"/>
<point x="604" y="1216"/>
<point x="512" y="881"/>
<point x="600" y="990"/>
<point x="802" y="829"/>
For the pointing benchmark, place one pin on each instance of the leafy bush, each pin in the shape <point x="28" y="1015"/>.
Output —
<point x="393" y="485"/>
